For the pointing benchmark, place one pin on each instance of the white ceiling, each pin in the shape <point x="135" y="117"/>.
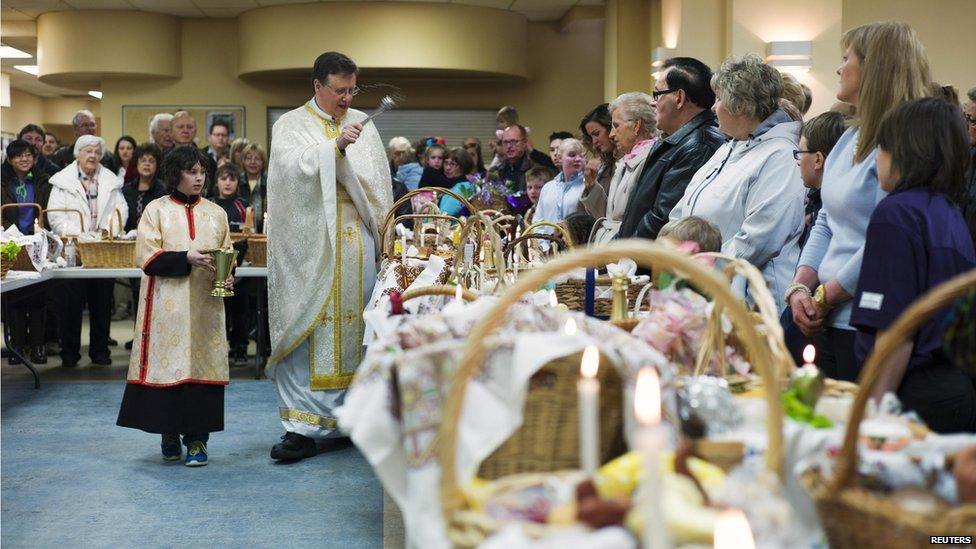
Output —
<point x="28" y="10"/>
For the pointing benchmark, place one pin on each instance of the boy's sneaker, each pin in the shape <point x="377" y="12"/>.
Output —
<point x="171" y="447"/>
<point x="196" y="454"/>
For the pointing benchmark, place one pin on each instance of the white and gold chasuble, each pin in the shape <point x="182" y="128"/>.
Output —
<point x="179" y="336"/>
<point x="325" y="210"/>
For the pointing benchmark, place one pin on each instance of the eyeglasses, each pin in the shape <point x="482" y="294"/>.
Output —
<point x="796" y="153"/>
<point x="659" y="93"/>
<point x="512" y="142"/>
<point x="344" y="91"/>
<point x="470" y="145"/>
<point x="450" y="162"/>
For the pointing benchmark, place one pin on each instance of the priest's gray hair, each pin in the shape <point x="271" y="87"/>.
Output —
<point x="84" y="113"/>
<point x="747" y="86"/>
<point x="636" y="106"/>
<point x="88" y="141"/>
<point x="154" y="123"/>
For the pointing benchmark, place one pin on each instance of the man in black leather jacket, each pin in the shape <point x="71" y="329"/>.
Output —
<point x="683" y="98"/>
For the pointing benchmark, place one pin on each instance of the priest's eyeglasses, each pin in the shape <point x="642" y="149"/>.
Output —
<point x="344" y="91"/>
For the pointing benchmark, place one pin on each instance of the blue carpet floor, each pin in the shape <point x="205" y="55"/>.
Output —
<point x="71" y="478"/>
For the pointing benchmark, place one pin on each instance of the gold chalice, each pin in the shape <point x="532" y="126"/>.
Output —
<point x="224" y="261"/>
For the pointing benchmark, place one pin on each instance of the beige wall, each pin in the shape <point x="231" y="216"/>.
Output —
<point x="565" y="81"/>
<point x="24" y="109"/>
<point x="54" y="114"/>
<point x="946" y="27"/>
<point x="627" y="46"/>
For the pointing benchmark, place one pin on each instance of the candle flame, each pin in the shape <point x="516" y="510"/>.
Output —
<point x="732" y="531"/>
<point x="591" y="362"/>
<point x="571" y="327"/>
<point x="553" y="300"/>
<point x="809" y="353"/>
<point x="647" y="397"/>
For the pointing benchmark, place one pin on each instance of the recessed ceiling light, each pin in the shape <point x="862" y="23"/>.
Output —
<point x="95" y="93"/>
<point x="29" y="69"/>
<point x="8" y="52"/>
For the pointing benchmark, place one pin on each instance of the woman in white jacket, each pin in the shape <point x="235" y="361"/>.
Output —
<point x="96" y="192"/>
<point x="751" y="188"/>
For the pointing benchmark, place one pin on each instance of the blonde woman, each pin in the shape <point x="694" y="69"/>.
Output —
<point x="633" y="133"/>
<point x="236" y="148"/>
<point x="883" y="64"/>
<point x="254" y="181"/>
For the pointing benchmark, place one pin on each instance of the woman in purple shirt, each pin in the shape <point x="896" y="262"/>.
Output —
<point x="917" y="239"/>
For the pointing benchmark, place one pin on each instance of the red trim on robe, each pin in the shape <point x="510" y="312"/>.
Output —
<point x="146" y="324"/>
<point x="240" y="210"/>
<point x="151" y="259"/>
<point x="181" y="382"/>
<point x="189" y="215"/>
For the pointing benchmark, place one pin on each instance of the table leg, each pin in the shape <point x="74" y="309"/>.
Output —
<point x="262" y="335"/>
<point x="15" y="352"/>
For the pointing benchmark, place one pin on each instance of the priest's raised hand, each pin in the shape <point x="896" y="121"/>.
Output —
<point x="350" y="133"/>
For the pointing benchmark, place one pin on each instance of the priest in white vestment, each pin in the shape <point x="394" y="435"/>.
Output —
<point x="329" y="189"/>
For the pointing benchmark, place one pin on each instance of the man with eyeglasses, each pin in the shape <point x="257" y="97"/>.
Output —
<point x="83" y="123"/>
<point x="683" y="100"/>
<point x="329" y="189"/>
<point x="518" y="157"/>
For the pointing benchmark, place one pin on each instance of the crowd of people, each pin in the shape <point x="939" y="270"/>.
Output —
<point x="849" y="215"/>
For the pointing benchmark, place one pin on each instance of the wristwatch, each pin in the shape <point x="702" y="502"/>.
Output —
<point x="820" y="299"/>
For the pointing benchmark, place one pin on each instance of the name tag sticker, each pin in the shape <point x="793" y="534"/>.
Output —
<point x="871" y="300"/>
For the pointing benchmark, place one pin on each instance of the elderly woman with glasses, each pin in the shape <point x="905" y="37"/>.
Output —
<point x="633" y="133"/>
<point x="96" y="192"/>
<point x="751" y="188"/>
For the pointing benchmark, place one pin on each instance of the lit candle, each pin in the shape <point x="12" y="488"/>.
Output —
<point x="589" y="411"/>
<point x="570" y="328"/>
<point x="732" y="531"/>
<point x="266" y="227"/>
<point x="809" y="353"/>
<point x="647" y="408"/>
<point x="553" y="300"/>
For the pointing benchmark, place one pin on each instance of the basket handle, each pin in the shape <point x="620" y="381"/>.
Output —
<point x="562" y="230"/>
<point x="388" y="229"/>
<point x="479" y="222"/>
<point x="391" y="213"/>
<point x="36" y="206"/>
<point x="81" y="217"/>
<point x="648" y="254"/>
<point x="445" y="290"/>
<point x="512" y="248"/>
<point x="886" y="344"/>
<point x="766" y="305"/>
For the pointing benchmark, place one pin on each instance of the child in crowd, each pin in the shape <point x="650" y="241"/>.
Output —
<point x="820" y="134"/>
<point x="535" y="179"/>
<point x="917" y="239"/>
<point x="561" y="196"/>
<point x="178" y="367"/>
<point x="693" y="229"/>
<point x="236" y="208"/>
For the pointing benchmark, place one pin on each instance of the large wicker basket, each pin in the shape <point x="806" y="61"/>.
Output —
<point x="572" y="294"/>
<point x="104" y="254"/>
<point x="22" y="262"/>
<point x="855" y="517"/>
<point x="389" y="222"/>
<point x="467" y="528"/>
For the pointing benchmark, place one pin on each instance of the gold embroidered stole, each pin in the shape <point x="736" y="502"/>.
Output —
<point x="336" y="342"/>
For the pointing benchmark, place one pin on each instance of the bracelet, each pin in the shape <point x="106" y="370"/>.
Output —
<point x="793" y="288"/>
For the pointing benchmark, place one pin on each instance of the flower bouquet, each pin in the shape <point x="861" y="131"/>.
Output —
<point x="490" y="193"/>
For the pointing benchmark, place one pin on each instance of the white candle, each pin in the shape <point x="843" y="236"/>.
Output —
<point x="403" y="249"/>
<point x="732" y="530"/>
<point x="570" y="327"/>
<point x="809" y="353"/>
<point x="266" y="227"/>
<point x="589" y="411"/>
<point x="553" y="300"/>
<point x="647" y="408"/>
<point x="64" y="228"/>
<point x="457" y="293"/>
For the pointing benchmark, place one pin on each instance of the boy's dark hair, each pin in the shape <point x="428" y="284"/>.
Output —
<point x="695" y="229"/>
<point x="560" y="135"/>
<point x="692" y="76"/>
<point x="150" y="149"/>
<point x="30" y="128"/>
<point x="929" y="146"/>
<point x="178" y="160"/>
<point x="332" y="62"/>
<point x="220" y="122"/>
<point x="579" y="225"/>
<point x="230" y="169"/>
<point x="823" y="131"/>
<point x="17" y="147"/>
<point x="539" y="173"/>
<point x="56" y="140"/>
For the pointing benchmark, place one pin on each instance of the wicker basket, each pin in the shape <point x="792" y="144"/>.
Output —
<point x="855" y="517"/>
<point x="23" y="262"/>
<point x="388" y="222"/>
<point x="4" y="268"/>
<point x="446" y="290"/>
<point x="572" y="294"/>
<point x="257" y="250"/>
<point x="109" y="253"/>
<point x="466" y="528"/>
